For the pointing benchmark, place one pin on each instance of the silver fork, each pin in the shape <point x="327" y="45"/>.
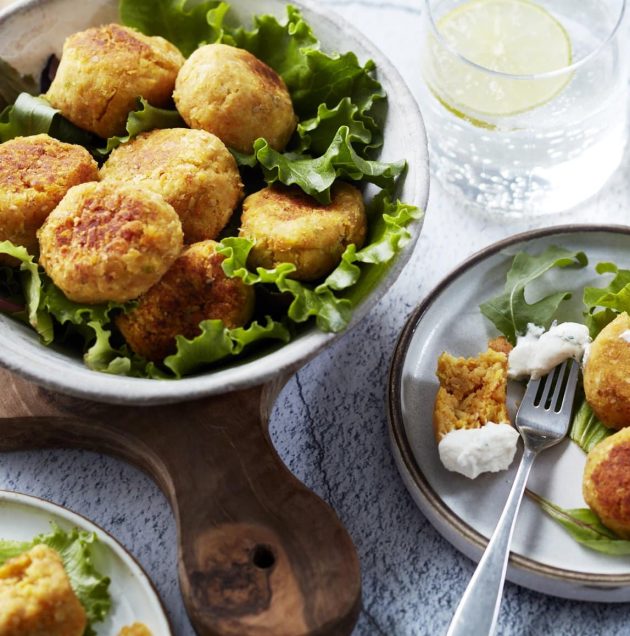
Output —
<point x="543" y="420"/>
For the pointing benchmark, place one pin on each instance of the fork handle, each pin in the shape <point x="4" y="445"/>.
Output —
<point x="478" y="611"/>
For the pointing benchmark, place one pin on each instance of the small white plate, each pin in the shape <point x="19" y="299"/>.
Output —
<point x="544" y="556"/>
<point x="134" y="598"/>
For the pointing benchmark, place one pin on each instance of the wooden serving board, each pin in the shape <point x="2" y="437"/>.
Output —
<point x="259" y="554"/>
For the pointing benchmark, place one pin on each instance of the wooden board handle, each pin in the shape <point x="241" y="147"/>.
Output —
<point x="260" y="555"/>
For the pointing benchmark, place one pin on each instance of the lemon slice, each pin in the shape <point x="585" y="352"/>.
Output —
<point x="511" y="37"/>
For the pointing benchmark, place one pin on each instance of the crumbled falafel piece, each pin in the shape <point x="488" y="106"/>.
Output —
<point x="137" y="629"/>
<point x="473" y="392"/>
<point x="36" y="598"/>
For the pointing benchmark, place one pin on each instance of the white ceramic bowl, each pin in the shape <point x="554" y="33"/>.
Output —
<point x="30" y="31"/>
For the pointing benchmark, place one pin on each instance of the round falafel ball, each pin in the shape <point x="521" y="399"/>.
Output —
<point x="195" y="288"/>
<point x="289" y="226"/>
<point x="606" y="374"/>
<point x="104" y="69"/>
<point x="606" y="484"/>
<point x="35" y="174"/>
<point x="191" y="169"/>
<point x="231" y="93"/>
<point x="107" y="242"/>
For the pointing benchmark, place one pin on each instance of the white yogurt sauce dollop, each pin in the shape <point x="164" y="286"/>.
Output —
<point x="471" y="452"/>
<point x="539" y="351"/>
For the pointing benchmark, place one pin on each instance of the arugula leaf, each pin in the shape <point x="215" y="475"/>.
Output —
<point x="612" y="299"/>
<point x="510" y="312"/>
<point x="12" y="84"/>
<point x="143" y="119"/>
<point x="586" y="430"/>
<point x="75" y="549"/>
<point x="316" y="175"/>
<point x="34" y="115"/>
<point x="585" y="527"/>
<point x="186" y="24"/>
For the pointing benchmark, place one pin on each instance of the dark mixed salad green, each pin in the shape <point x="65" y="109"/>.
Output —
<point x="510" y="313"/>
<point x="340" y="105"/>
<point x="74" y="546"/>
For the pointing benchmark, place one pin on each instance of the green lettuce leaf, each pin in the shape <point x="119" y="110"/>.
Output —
<point x="216" y="342"/>
<point x="33" y="116"/>
<point x="45" y="301"/>
<point x="585" y="527"/>
<point x="185" y="23"/>
<point x="143" y="119"/>
<point x="510" y="312"/>
<point x="12" y="84"/>
<point x="91" y="323"/>
<point x="31" y="280"/>
<point x="334" y="77"/>
<point x="75" y="548"/>
<point x="586" y="430"/>
<point x="316" y="175"/>
<point x="316" y="134"/>
<point x="388" y="234"/>
<point x="604" y="304"/>
<point x="331" y="313"/>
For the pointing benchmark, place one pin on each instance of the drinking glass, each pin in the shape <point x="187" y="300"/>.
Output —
<point x="518" y="142"/>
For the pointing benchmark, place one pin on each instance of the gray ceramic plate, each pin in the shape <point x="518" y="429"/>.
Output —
<point x="133" y="597"/>
<point x="33" y="29"/>
<point x="544" y="558"/>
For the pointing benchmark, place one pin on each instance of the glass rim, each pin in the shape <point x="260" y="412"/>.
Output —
<point x="531" y="76"/>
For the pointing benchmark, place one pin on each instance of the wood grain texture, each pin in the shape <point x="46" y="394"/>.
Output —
<point x="260" y="555"/>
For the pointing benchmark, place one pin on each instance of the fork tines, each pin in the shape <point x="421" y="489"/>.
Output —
<point x="549" y="391"/>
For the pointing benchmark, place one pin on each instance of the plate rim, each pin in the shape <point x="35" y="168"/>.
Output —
<point x="107" y="538"/>
<point x="459" y="533"/>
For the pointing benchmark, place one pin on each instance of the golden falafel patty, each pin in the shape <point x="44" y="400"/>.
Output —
<point x="195" y="288"/>
<point x="36" y="598"/>
<point x="107" y="242"/>
<point x="288" y="226"/>
<point x="231" y="93"/>
<point x="606" y="374"/>
<point x="191" y="169"/>
<point x="35" y="174"/>
<point x="606" y="484"/>
<point x="104" y="69"/>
